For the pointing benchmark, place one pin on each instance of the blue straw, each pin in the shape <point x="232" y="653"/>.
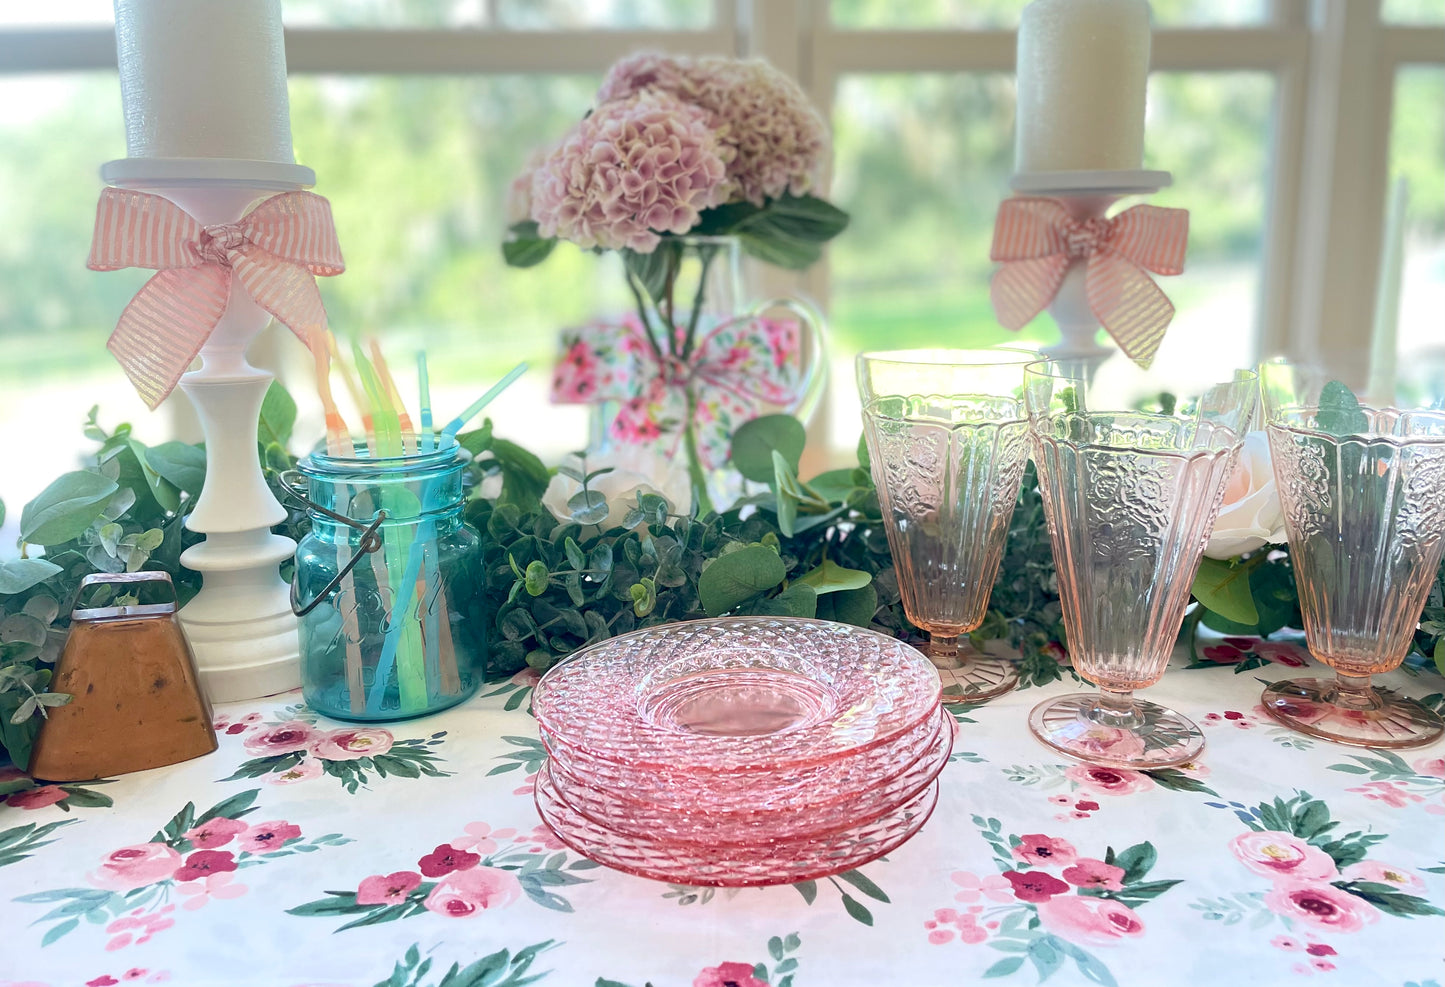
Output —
<point x="428" y="438"/>
<point x="425" y="532"/>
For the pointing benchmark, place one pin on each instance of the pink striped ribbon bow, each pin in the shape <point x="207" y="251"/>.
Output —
<point x="276" y="250"/>
<point x="1037" y="239"/>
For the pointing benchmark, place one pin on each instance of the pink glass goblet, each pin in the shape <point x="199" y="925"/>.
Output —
<point x="1130" y="497"/>
<point x="1363" y="491"/>
<point x="947" y="443"/>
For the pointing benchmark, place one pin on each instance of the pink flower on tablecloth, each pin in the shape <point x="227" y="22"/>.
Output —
<point x="728" y="975"/>
<point x="1084" y="919"/>
<point x="1324" y="966"/>
<point x="303" y="770"/>
<point x="37" y="798"/>
<point x="994" y="887"/>
<point x="526" y="677"/>
<point x="217" y="886"/>
<point x="1299" y="709"/>
<point x="104" y="980"/>
<point x="1281" y="856"/>
<point x="1090" y="873"/>
<point x="1321" y="905"/>
<point x="1431" y="767"/>
<point x="1286" y="943"/>
<point x="134" y="973"/>
<point x="204" y="863"/>
<point x="283" y="738"/>
<point x="1224" y="654"/>
<point x="387" y="889"/>
<point x="528" y="787"/>
<point x="133" y="867"/>
<point x="1045" y="851"/>
<point x="445" y="859"/>
<point x="1283" y="653"/>
<point x="352" y="743"/>
<point x="1373" y="870"/>
<point x="1034" y="885"/>
<point x="1100" y="780"/>
<point x="969" y="931"/>
<point x="1320" y="949"/>
<point x="1392" y="793"/>
<point x="481" y="838"/>
<point x="215" y="833"/>
<point x="267" y="836"/>
<point x="545" y="837"/>
<point x="464" y="892"/>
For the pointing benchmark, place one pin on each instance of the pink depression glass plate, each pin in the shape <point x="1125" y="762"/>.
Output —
<point x="818" y="812"/>
<point x="735" y="694"/>
<point x="682" y="789"/>
<point x="723" y="865"/>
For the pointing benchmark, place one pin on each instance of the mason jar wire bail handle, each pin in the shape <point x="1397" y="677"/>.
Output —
<point x="292" y="482"/>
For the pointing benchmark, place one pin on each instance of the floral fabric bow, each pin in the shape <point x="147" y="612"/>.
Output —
<point x="1037" y="239"/>
<point x="735" y="368"/>
<point x="276" y="251"/>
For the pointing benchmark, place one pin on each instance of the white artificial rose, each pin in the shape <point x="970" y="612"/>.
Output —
<point x="635" y="471"/>
<point x="1251" y="516"/>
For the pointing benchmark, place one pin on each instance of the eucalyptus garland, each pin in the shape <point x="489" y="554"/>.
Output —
<point x="549" y="586"/>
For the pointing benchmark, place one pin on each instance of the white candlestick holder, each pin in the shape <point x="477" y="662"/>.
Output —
<point x="240" y="625"/>
<point x="1087" y="195"/>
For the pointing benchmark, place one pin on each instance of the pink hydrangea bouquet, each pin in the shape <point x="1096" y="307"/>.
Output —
<point x="707" y="146"/>
<point x="681" y="162"/>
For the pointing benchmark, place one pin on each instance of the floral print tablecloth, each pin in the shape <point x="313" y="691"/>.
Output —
<point x="312" y="852"/>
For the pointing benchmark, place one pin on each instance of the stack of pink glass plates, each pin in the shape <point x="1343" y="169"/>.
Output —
<point x="740" y="751"/>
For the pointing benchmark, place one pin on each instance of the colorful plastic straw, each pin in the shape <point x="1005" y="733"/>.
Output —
<point x="408" y="431"/>
<point x="402" y="602"/>
<point x="428" y="437"/>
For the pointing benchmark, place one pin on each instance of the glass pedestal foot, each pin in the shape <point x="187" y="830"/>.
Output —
<point x="1133" y="734"/>
<point x="969" y="675"/>
<point x="1362" y="718"/>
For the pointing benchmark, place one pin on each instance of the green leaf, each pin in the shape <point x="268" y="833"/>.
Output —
<point x="1224" y="588"/>
<point x="864" y="884"/>
<point x="805" y="217"/>
<point x="1389" y="899"/>
<point x="855" y="606"/>
<point x="775" y="948"/>
<point x="1004" y="967"/>
<point x="651" y="269"/>
<point x="1136" y="861"/>
<point x="18" y="575"/>
<point x="835" y="485"/>
<point x="232" y="808"/>
<point x="736" y="576"/>
<point x="808" y="889"/>
<point x="524" y="477"/>
<point x="1439" y="656"/>
<point x="1340" y="412"/>
<point x="524" y="246"/>
<point x="161" y="489"/>
<point x="755" y="441"/>
<point x="832" y="578"/>
<point x="182" y="464"/>
<point x="856" y="910"/>
<point x="478" y="440"/>
<point x="63" y="510"/>
<point x="798" y="600"/>
<point x="278" y="416"/>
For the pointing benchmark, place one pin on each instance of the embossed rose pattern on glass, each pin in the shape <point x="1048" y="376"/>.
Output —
<point x="1365" y="518"/>
<point x="947" y="443"/>
<point x="1130" y="498"/>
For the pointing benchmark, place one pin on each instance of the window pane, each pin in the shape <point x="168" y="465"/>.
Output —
<point x="986" y="14"/>
<point x="1417" y="154"/>
<point x="301" y="13"/>
<point x="1413" y="11"/>
<point x="54" y="12"/>
<point x="615" y="14"/>
<point x="922" y="161"/>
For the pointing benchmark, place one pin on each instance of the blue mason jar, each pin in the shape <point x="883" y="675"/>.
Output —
<point x="383" y="585"/>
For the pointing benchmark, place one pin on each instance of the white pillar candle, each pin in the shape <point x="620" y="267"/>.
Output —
<point x="1082" y="69"/>
<point x="203" y="79"/>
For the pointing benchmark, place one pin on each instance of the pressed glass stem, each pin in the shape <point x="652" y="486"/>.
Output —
<point x="1115" y="709"/>
<point x="948" y="650"/>
<point x="1354" y="692"/>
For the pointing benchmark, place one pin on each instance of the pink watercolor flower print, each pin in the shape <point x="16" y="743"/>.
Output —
<point x="1108" y="781"/>
<point x="37" y="798"/>
<point x="387" y="889"/>
<point x="445" y="859"/>
<point x="1045" y="851"/>
<point x="303" y="770"/>
<point x="994" y="887"/>
<point x="267" y="836"/>
<point x="138" y="928"/>
<point x="1287" y="943"/>
<point x="217" y="886"/>
<point x="466" y="892"/>
<point x="545" y="838"/>
<point x="1373" y="870"/>
<point x="1392" y="793"/>
<point x="1320" y="905"/>
<point x="283" y="738"/>
<point x="1430" y="767"/>
<point x="728" y="975"/>
<point x="133" y="867"/>
<point x="481" y="838"/>
<point x="214" y="834"/>
<point x="352" y="743"/>
<point x="946" y="921"/>
<point x="1083" y="919"/>
<point x="1035" y="886"/>
<point x="1280" y="856"/>
<point x="1090" y="873"/>
<point x="204" y="863"/>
